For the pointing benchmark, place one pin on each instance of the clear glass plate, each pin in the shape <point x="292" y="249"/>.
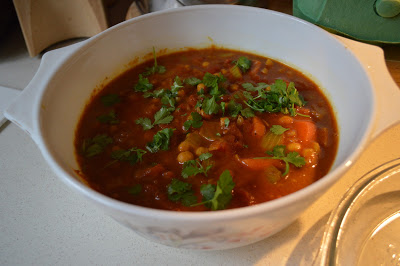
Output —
<point x="364" y="229"/>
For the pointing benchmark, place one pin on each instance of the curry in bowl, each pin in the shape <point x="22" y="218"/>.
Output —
<point x="206" y="129"/>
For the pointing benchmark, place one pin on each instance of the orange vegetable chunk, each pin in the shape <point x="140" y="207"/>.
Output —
<point x="306" y="130"/>
<point x="259" y="128"/>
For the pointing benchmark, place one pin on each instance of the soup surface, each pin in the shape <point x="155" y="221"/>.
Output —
<point x="206" y="129"/>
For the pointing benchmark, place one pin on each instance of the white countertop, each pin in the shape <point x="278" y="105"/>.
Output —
<point x="44" y="222"/>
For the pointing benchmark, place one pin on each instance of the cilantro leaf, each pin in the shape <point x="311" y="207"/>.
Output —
<point x="110" y="99"/>
<point x="181" y="191"/>
<point x="247" y="112"/>
<point x="168" y="97"/>
<point x="218" y="197"/>
<point x="96" y="145"/>
<point x="176" y="85"/>
<point x="212" y="81"/>
<point x="195" y="167"/>
<point x="195" y="122"/>
<point x="234" y="108"/>
<point x="192" y="81"/>
<point x="160" y="140"/>
<point x="278" y="129"/>
<point x="132" y="155"/>
<point x="210" y="106"/>
<point x="110" y="118"/>
<point x="250" y="87"/>
<point x="226" y="122"/>
<point x="155" y="68"/>
<point x="144" y="122"/>
<point x="243" y="63"/>
<point x="278" y="152"/>
<point x="143" y="84"/>
<point x="163" y="116"/>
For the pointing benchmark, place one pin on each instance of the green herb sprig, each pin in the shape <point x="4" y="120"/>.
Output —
<point x="95" y="145"/>
<point x="195" y="167"/>
<point x="217" y="197"/>
<point x="195" y="121"/>
<point x="160" y="140"/>
<point x="278" y="97"/>
<point x="279" y="153"/>
<point x="180" y="191"/>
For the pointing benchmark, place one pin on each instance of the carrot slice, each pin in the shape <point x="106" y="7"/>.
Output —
<point x="259" y="128"/>
<point x="306" y="130"/>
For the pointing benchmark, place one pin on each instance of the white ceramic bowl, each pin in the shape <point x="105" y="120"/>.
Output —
<point x="350" y="73"/>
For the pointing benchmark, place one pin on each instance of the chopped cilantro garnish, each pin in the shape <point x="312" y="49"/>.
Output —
<point x="243" y="63"/>
<point x="160" y="140"/>
<point x="168" y="97"/>
<point x="210" y="106"/>
<point x="96" y="145"/>
<point x="144" y="122"/>
<point x="195" y="122"/>
<point x="143" y="84"/>
<point x="132" y="155"/>
<point x="195" y="167"/>
<point x="212" y="81"/>
<point x="250" y="87"/>
<point x="181" y="191"/>
<point x="155" y="68"/>
<point x="278" y="152"/>
<point x="278" y="129"/>
<point x="247" y="112"/>
<point x="226" y="122"/>
<point x="163" y="116"/>
<point x="110" y="99"/>
<point x="223" y="106"/>
<point x="192" y="81"/>
<point x="217" y="197"/>
<point x="236" y="108"/>
<point x="280" y="98"/>
<point x="110" y="118"/>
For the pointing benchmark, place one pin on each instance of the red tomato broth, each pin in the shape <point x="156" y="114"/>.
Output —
<point x="228" y="146"/>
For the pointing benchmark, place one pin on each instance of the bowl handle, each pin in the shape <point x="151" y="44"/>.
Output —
<point x="21" y="111"/>
<point x="387" y="93"/>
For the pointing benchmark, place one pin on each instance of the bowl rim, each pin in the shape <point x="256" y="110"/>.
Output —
<point x="320" y="185"/>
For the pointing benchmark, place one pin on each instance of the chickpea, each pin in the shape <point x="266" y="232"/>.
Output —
<point x="234" y="87"/>
<point x="240" y="120"/>
<point x="224" y="71"/>
<point x="184" y="146"/>
<point x="185" y="156"/>
<point x="308" y="152"/>
<point x="291" y="133"/>
<point x="295" y="146"/>
<point x="316" y="147"/>
<point x="269" y="62"/>
<point x="201" y="150"/>
<point x="201" y="86"/>
<point x="264" y="70"/>
<point x="286" y="119"/>
<point x="205" y="64"/>
<point x="181" y="93"/>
